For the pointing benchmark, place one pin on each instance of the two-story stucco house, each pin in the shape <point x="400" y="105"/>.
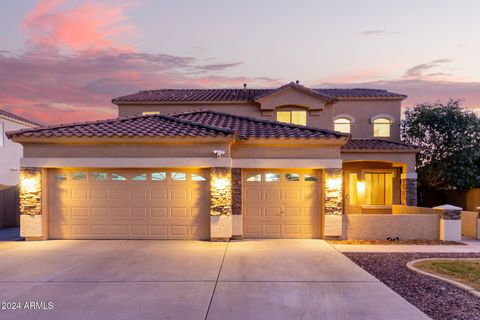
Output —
<point x="11" y="152"/>
<point x="288" y="162"/>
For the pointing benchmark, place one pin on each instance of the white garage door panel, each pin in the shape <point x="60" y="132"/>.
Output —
<point x="279" y="207"/>
<point x="104" y="209"/>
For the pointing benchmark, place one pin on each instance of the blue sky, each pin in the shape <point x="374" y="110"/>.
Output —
<point x="64" y="60"/>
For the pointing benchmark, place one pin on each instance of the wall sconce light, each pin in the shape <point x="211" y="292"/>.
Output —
<point x="334" y="183"/>
<point x="29" y="184"/>
<point x="361" y="186"/>
<point x="220" y="183"/>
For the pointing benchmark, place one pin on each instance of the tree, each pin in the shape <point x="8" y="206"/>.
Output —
<point x="450" y="139"/>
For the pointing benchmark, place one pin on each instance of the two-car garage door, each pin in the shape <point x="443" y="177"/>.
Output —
<point x="128" y="204"/>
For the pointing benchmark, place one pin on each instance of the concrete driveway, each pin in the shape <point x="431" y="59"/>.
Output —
<point x="268" y="279"/>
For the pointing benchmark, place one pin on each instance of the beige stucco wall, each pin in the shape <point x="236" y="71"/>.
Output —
<point x="123" y="150"/>
<point x="363" y="110"/>
<point x="406" y="159"/>
<point x="10" y="153"/>
<point x="473" y="199"/>
<point x="284" y="151"/>
<point x="469" y="224"/>
<point x="381" y="226"/>
<point x="401" y="209"/>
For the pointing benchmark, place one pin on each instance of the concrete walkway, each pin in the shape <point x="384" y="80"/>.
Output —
<point x="269" y="279"/>
<point x="471" y="246"/>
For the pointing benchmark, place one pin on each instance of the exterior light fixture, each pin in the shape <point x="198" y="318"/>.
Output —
<point x="29" y="184"/>
<point x="220" y="183"/>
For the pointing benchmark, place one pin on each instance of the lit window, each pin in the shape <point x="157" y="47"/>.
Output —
<point x="255" y="178"/>
<point x="196" y="177"/>
<point x="272" y="177"/>
<point x="342" y="125"/>
<point x="147" y="113"/>
<point x="118" y="177"/>
<point x="179" y="176"/>
<point x="100" y="176"/>
<point x="61" y="177"/>
<point x="375" y="189"/>
<point x="308" y="177"/>
<point x="79" y="176"/>
<point x="158" y="176"/>
<point x="381" y="127"/>
<point x="294" y="117"/>
<point x="140" y="177"/>
<point x="292" y="176"/>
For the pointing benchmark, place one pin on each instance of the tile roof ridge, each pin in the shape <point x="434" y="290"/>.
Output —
<point x="118" y="119"/>
<point x="264" y="121"/>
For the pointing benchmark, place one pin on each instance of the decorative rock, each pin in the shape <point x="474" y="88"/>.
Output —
<point x="31" y="192"/>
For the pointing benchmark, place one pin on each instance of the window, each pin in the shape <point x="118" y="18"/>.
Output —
<point x="179" y="176"/>
<point x="140" y="177"/>
<point x="255" y="178"/>
<point x="381" y="127"/>
<point x="2" y="134"/>
<point x="159" y="176"/>
<point x="100" y="176"/>
<point x="376" y="188"/>
<point x="292" y="176"/>
<point x="308" y="177"/>
<point x="197" y="177"/>
<point x="147" y="113"/>
<point x="294" y="117"/>
<point x="61" y="177"/>
<point x="272" y="177"/>
<point x="342" y="125"/>
<point x="118" y="177"/>
<point x="79" y="176"/>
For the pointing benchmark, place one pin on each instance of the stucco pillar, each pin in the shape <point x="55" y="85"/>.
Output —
<point x="450" y="223"/>
<point x="478" y="223"/>
<point x="333" y="203"/>
<point x="237" y="216"/>
<point x="408" y="189"/>
<point x="32" y="225"/>
<point x="221" y="204"/>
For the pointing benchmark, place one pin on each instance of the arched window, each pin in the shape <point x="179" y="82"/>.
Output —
<point x="381" y="127"/>
<point x="342" y="125"/>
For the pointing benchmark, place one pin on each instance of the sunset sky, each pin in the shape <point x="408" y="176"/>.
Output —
<point x="64" y="60"/>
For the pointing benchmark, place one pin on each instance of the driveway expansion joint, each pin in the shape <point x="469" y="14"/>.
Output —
<point x="216" y="282"/>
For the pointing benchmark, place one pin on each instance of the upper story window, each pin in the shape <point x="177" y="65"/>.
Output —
<point x="293" y="116"/>
<point x="381" y="127"/>
<point x="342" y="125"/>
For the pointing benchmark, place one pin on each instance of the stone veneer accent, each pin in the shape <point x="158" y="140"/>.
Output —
<point x="31" y="191"/>
<point x="236" y="191"/>
<point x="408" y="192"/>
<point x="333" y="192"/>
<point x="221" y="191"/>
<point x="449" y="214"/>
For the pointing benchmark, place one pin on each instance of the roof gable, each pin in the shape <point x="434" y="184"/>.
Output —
<point x="296" y="87"/>
<point x="16" y="118"/>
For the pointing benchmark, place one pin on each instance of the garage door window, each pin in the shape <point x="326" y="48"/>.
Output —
<point x="292" y="177"/>
<point x="79" y="176"/>
<point x="140" y="177"/>
<point x="308" y="177"/>
<point x="272" y="177"/>
<point x="100" y="176"/>
<point x="61" y="177"/>
<point x="159" y="176"/>
<point x="118" y="177"/>
<point x="179" y="176"/>
<point x="197" y="177"/>
<point x="255" y="178"/>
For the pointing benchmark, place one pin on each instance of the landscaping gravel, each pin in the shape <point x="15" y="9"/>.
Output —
<point x="437" y="299"/>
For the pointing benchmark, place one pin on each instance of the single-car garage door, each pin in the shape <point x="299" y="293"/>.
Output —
<point x="282" y="203"/>
<point x="128" y="204"/>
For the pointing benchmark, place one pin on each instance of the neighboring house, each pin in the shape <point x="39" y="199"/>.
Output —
<point x="11" y="152"/>
<point x="216" y="163"/>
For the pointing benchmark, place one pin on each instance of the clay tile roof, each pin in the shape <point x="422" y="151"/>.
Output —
<point x="248" y="127"/>
<point x="246" y="95"/>
<point x="359" y="145"/>
<point x="137" y="126"/>
<point x="18" y="118"/>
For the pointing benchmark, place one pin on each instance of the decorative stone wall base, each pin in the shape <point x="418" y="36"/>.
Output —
<point x="237" y="226"/>
<point x="220" y="227"/>
<point x="408" y="192"/>
<point x="31" y="226"/>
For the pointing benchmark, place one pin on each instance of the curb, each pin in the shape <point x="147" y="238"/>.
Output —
<point x="410" y="265"/>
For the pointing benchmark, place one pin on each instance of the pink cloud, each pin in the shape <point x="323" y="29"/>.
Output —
<point x="88" y="26"/>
